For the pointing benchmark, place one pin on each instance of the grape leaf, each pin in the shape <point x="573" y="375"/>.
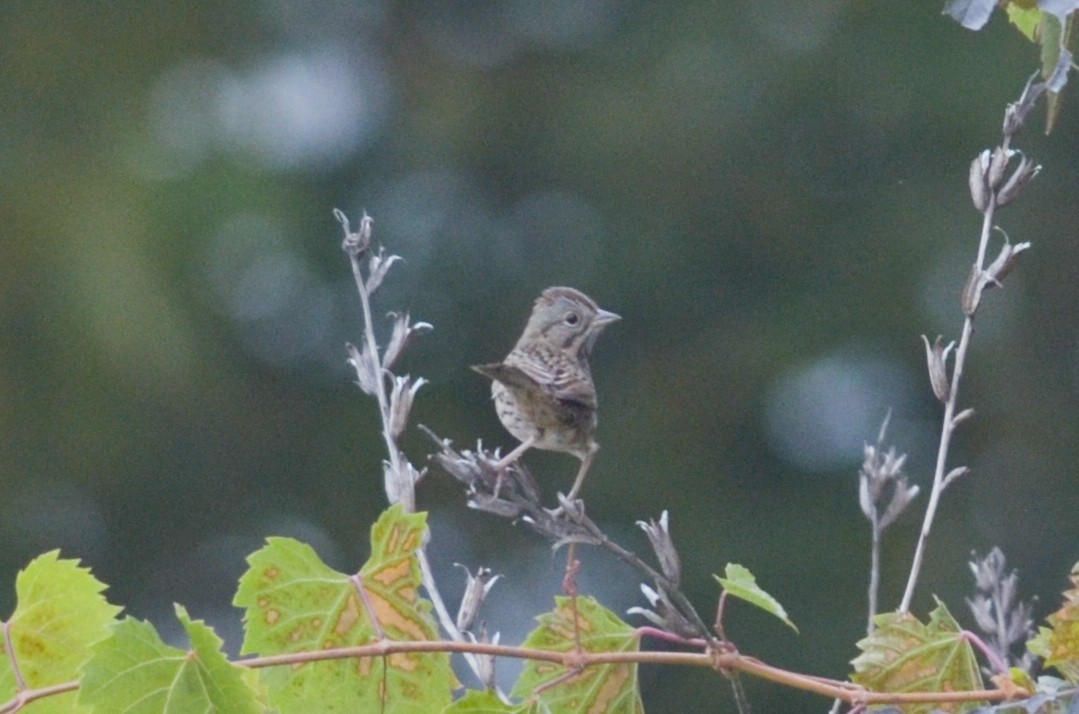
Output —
<point x="60" y="612"/>
<point x="606" y="688"/>
<point x="1050" y="24"/>
<point x="1025" y="19"/>
<point x="1054" y="35"/>
<point x="134" y="672"/>
<point x="475" y="702"/>
<point x="1059" y="643"/>
<point x="741" y="584"/>
<point x="903" y="655"/>
<point x="296" y="603"/>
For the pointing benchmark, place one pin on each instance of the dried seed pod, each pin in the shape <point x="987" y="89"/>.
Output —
<point x="401" y="337"/>
<point x="936" y="357"/>
<point x="979" y="184"/>
<point x="366" y="368"/>
<point x="1023" y="174"/>
<point x="404" y="391"/>
<point x="1005" y="261"/>
<point x="355" y="243"/>
<point x="998" y="165"/>
<point x="659" y="535"/>
<point x="476" y="588"/>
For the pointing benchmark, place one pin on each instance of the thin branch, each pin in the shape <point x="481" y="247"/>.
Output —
<point x="883" y="495"/>
<point x="631" y="558"/>
<point x="874" y="573"/>
<point x="510" y="493"/>
<point x="947" y="428"/>
<point x="991" y="188"/>
<point x="399" y="483"/>
<point x="355" y="258"/>
<point x="26" y="696"/>
<point x="724" y="661"/>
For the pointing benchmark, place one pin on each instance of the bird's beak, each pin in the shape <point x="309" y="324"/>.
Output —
<point x="605" y="318"/>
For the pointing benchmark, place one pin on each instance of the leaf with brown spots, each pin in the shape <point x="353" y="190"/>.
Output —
<point x="484" y="702"/>
<point x="904" y="655"/>
<point x="296" y="603"/>
<point x="1058" y="644"/>
<point x="60" y="613"/>
<point x="596" y="689"/>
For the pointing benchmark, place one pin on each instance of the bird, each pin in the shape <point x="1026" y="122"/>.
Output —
<point x="543" y="389"/>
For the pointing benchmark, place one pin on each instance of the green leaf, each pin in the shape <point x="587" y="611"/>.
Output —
<point x="1052" y="30"/>
<point x="1039" y="645"/>
<point x="1049" y="36"/>
<point x="60" y="612"/>
<point x="1058" y="644"/>
<point x="1055" y="40"/>
<point x="1025" y="19"/>
<point x="741" y="584"/>
<point x="475" y="702"/>
<point x="134" y="672"/>
<point x="296" y="603"/>
<point x="903" y="655"/>
<point x="608" y="688"/>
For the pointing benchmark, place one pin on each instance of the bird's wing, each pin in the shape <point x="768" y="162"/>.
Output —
<point x="562" y="382"/>
<point x="508" y="375"/>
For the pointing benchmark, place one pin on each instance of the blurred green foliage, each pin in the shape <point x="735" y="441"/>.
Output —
<point x="772" y="195"/>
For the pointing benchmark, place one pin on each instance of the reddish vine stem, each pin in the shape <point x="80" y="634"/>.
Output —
<point x="720" y="661"/>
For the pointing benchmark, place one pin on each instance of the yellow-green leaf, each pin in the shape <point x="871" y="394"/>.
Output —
<point x="1059" y="643"/>
<point x="483" y="703"/>
<point x="741" y="584"/>
<point x="296" y="603"/>
<point x="1025" y="19"/>
<point x="60" y="612"/>
<point x="904" y="655"/>
<point x="134" y="672"/>
<point x="607" y="688"/>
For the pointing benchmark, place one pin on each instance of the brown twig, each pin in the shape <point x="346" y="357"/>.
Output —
<point x="727" y="660"/>
<point x="992" y="188"/>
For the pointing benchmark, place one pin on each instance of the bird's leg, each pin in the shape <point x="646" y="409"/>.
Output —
<point x="503" y="463"/>
<point x="586" y="462"/>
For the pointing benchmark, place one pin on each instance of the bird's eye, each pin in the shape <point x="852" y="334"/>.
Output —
<point x="572" y="319"/>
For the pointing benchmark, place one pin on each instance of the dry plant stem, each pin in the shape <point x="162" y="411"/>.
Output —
<point x="673" y="591"/>
<point x="739" y="691"/>
<point x="649" y="631"/>
<point x="408" y="499"/>
<point x="875" y="543"/>
<point x="380" y="383"/>
<point x="948" y="425"/>
<point x="874" y="570"/>
<point x="512" y="495"/>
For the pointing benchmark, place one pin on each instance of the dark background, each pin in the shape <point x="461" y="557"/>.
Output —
<point x="773" y="195"/>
